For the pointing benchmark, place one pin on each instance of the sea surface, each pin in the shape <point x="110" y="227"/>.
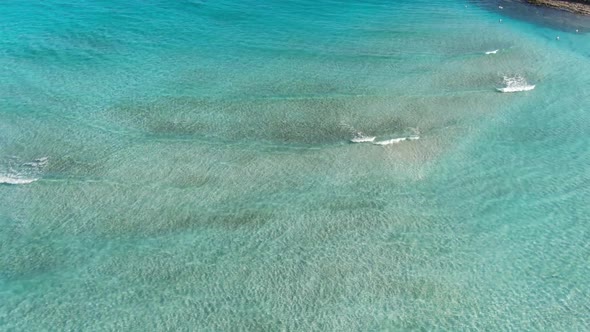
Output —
<point x="187" y="165"/>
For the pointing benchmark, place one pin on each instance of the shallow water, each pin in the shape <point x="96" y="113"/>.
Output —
<point x="194" y="169"/>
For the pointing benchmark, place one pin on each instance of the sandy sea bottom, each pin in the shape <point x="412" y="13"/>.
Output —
<point x="188" y="165"/>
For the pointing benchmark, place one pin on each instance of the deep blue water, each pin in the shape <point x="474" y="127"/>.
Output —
<point x="187" y="165"/>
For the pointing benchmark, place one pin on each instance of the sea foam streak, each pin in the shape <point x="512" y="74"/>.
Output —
<point x="15" y="180"/>
<point x="515" y="84"/>
<point x="39" y="162"/>
<point x="492" y="52"/>
<point x="363" y="139"/>
<point x="397" y="140"/>
<point x="359" y="137"/>
<point x="15" y="172"/>
<point x="516" y="88"/>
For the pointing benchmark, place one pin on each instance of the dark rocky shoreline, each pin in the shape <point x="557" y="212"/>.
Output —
<point x="545" y="14"/>
<point x="577" y="7"/>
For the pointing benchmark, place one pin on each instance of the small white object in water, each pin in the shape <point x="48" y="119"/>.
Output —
<point x="492" y="52"/>
<point x="557" y="38"/>
<point x="500" y="7"/>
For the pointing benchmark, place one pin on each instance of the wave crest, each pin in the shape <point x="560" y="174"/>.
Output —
<point x="10" y="179"/>
<point x="397" y="140"/>
<point x="14" y="171"/>
<point x="515" y="84"/>
<point x="360" y="138"/>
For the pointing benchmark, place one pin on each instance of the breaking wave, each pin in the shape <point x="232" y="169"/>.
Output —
<point x="515" y="84"/>
<point x="13" y="171"/>
<point x="360" y="138"/>
<point x="397" y="140"/>
<point x="11" y="179"/>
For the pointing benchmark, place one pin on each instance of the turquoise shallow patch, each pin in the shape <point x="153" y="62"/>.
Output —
<point x="190" y="167"/>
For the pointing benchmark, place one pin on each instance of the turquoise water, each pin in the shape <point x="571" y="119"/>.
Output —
<point x="186" y="165"/>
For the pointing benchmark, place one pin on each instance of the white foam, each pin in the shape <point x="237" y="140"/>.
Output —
<point x="515" y="84"/>
<point x="516" y="88"/>
<point x="363" y="139"/>
<point x="15" y="172"/>
<point x="492" y="52"/>
<point x="397" y="140"/>
<point x="39" y="162"/>
<point x="15" y="180"/>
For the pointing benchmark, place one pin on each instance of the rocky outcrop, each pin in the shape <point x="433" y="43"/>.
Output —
<point x="578" y="7"/>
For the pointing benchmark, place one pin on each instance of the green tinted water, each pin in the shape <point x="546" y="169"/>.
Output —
<point x="192" y="168"/>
